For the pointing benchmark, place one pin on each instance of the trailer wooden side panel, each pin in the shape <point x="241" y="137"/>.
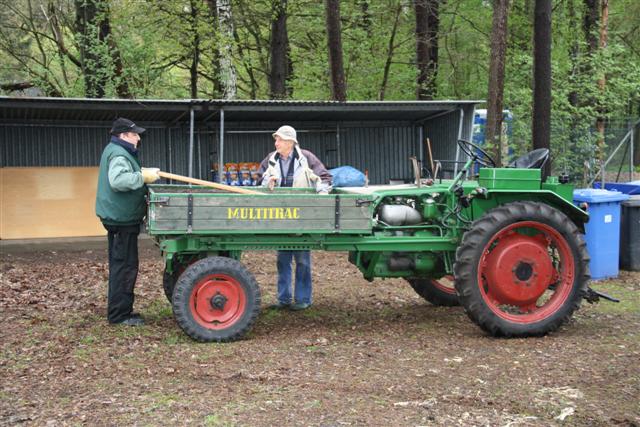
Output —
<point x="209" y="212"/>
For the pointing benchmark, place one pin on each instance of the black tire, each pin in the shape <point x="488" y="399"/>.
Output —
<point x="216" y="299"/>
<point x="439" y="292"/>
<point x="169" y="280"/>
<point x="169" y="283"/>
<point x="521" y="270"/>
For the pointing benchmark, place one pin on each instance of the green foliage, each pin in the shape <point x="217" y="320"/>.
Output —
<point x="157" y="43"/>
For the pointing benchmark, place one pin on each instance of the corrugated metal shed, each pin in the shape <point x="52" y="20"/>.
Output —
<point x="377" y="136"/>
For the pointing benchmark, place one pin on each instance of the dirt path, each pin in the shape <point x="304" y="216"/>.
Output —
<point x="364" y="354"/>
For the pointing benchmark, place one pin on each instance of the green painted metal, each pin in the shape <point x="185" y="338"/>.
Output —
<point x="188" y="221"/>
<point x="509" y="179"/>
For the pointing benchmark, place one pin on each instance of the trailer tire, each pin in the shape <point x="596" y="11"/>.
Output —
<point x="521" y="270"/>
<point x="216" y="299"/>
<point x="438" y="292"/>
<point x="179" y="266"/>
<point x="169" y="283"/>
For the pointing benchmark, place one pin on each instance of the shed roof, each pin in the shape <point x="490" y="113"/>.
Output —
<point x="169" y="112"/>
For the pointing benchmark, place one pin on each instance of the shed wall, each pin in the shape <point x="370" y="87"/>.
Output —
<point x="382" y="149"/>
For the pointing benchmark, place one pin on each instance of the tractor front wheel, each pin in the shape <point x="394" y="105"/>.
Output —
<point x="216" y="299"/>
<point x="439" y="292"/>
<point x="521" y="270"/>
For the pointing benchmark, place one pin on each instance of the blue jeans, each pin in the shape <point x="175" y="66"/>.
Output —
<point x="303" y="288"/>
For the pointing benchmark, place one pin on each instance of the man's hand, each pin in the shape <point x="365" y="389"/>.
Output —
<point x="150" y="175"/>
<point x="272" y="182"/>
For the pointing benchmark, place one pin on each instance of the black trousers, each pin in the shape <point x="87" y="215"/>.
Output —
<point x="123" y="270"/>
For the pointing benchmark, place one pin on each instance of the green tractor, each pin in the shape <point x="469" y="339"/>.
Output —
<point x="506" y="246"/>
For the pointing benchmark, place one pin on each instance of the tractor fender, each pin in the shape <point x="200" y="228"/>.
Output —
<point x="578" y="216"/>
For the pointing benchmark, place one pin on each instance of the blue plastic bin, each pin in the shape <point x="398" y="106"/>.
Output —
<point x="602" y="230"/>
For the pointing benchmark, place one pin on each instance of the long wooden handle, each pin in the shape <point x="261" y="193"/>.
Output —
<point x="430" y="156"/>
<point x="208" y="183"/>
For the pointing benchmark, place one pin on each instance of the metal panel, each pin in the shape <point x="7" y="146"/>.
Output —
<point x="383" y="152"/>
<point x="443" y="132"/>
<point x="51" y="146"/>
<point x="48" y="145"/>
<point x="376" y="136"/>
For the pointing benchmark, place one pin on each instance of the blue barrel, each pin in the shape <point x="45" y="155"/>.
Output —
<point x="602" y="230"/>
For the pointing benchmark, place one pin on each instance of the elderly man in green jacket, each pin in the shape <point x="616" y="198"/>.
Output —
<point x="120" y="205"/>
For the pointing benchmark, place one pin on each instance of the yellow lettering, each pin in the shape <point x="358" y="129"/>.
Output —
<point x="263" y="213"/>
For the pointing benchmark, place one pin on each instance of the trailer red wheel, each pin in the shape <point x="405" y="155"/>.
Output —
<point x="521" y="270"/>
<point x="440" y="292"/>
<point x="216" y="299"/>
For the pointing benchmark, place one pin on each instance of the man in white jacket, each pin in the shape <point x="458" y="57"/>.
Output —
<point x="291" y="166"/>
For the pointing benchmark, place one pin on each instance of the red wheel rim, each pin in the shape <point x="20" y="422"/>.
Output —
<point x="526" y="272"/>
<point x="444" y="284"/>
<point x="217" y="301"/>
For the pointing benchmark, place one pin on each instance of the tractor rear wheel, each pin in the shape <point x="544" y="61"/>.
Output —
<point x="216" y="299"/>
<point x="439" y="292"/>
<point x="521" y="270"/>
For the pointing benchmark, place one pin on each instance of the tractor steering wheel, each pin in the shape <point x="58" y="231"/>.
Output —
<point x="476" y="153"/>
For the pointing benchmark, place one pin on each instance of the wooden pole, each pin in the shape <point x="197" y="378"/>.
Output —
<point x="208" y="183"/>
<point x="430" y="157"/>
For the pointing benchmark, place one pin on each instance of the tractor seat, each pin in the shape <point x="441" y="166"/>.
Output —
<point x="532" y="160"/>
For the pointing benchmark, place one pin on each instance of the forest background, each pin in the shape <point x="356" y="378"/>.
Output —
<point x="341" y="50"/>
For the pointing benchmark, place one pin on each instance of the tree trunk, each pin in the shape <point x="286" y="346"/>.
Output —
<point x="387" y="64"/>
<point x="215" y="78"/>
<point x="541" y="125"/>
<point x="574" y="51"/>
<point x="280" y="58"/>
<point x="590" y="24"/>
<point x="493" y="128"/>
<point x="122" y="86"/>
<point x="227" y="69"/>
<point x="365" y="19"/>
<point x="195" y="60"/>
<point x="334" y="42"/>
<point x="92" y="25"/>
<point x="427" y="25"/>
<point x="602" y="81"/>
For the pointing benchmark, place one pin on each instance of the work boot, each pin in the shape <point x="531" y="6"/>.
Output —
<point x="279" y="306"/>
<point x="131" y="321"/>
<point x="299" y="306"/>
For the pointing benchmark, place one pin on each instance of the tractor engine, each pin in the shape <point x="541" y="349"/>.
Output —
<point x="402" y="216"/>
